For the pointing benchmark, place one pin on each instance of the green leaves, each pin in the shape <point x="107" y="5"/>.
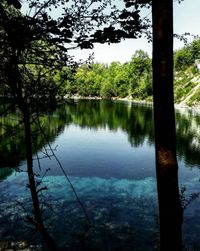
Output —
<point x="116" y="80"/>
<point x="81" y="23"/>
<point x="186" y="57"/>
<point x="41" y="40"/>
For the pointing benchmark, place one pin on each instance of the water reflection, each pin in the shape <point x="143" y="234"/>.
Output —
<point x="5" y="172"/>
<point x="188" y="137"/>
<point x="118" y="190"/>
<point x="134" y="120"/>
<point x="12" y="139"/>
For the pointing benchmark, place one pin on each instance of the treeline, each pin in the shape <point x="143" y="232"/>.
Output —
<point x="132" y="79"/>
<point x="116" y="80"/>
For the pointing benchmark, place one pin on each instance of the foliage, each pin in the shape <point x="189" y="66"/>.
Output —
<point x="195" y="99"/>
<point x="132" y="79"/>
<point x="31" y="58"/>
<point x="116" y="80"/>
<point x="140" y="74"/>
<point x="35" y="45"/>
<point x="186" y="57"/>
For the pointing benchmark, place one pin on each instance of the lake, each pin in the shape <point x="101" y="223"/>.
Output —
<point x="106" y="149"/>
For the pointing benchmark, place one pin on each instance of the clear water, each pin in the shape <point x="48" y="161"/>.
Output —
<point x="107" y="150"/>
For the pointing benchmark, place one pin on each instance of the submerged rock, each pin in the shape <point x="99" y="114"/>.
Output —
<point x="21" y="245"/>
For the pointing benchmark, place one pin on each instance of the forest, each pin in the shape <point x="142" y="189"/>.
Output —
<point x="134" y="79"/>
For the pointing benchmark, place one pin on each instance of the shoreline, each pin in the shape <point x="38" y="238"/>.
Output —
<point x="179" y="107"/>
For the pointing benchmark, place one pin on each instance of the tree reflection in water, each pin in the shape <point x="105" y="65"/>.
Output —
<point x="134" y="120"/>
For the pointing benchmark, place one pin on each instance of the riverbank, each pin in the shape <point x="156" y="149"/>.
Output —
<point x="180" y="106"/>
<point x="126" y="99"/>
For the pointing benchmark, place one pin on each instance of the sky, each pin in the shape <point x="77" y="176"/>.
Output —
<point x="186" y="19"/>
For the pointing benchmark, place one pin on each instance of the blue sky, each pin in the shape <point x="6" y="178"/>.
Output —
<point x="186" y="19"/>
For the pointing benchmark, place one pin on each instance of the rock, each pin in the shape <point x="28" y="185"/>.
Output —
<point x="21" y="244"/>
<point x="18" y="246"/>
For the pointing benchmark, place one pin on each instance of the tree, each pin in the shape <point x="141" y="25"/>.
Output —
<point x="164" y="121"/>
<point x="186" y="57"/>
<point x="183" y="58"/>
<point x="140" y="75"/>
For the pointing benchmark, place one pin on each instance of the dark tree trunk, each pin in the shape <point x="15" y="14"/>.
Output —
<point x="36" y="205"/>
<point x="17" y="91"/>
<point x="165" y="133"/>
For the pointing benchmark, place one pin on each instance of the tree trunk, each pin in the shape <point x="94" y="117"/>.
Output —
<point x="165" y="133"/>
<point x="17" y="91"/>
<point x="36" y="205"/>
